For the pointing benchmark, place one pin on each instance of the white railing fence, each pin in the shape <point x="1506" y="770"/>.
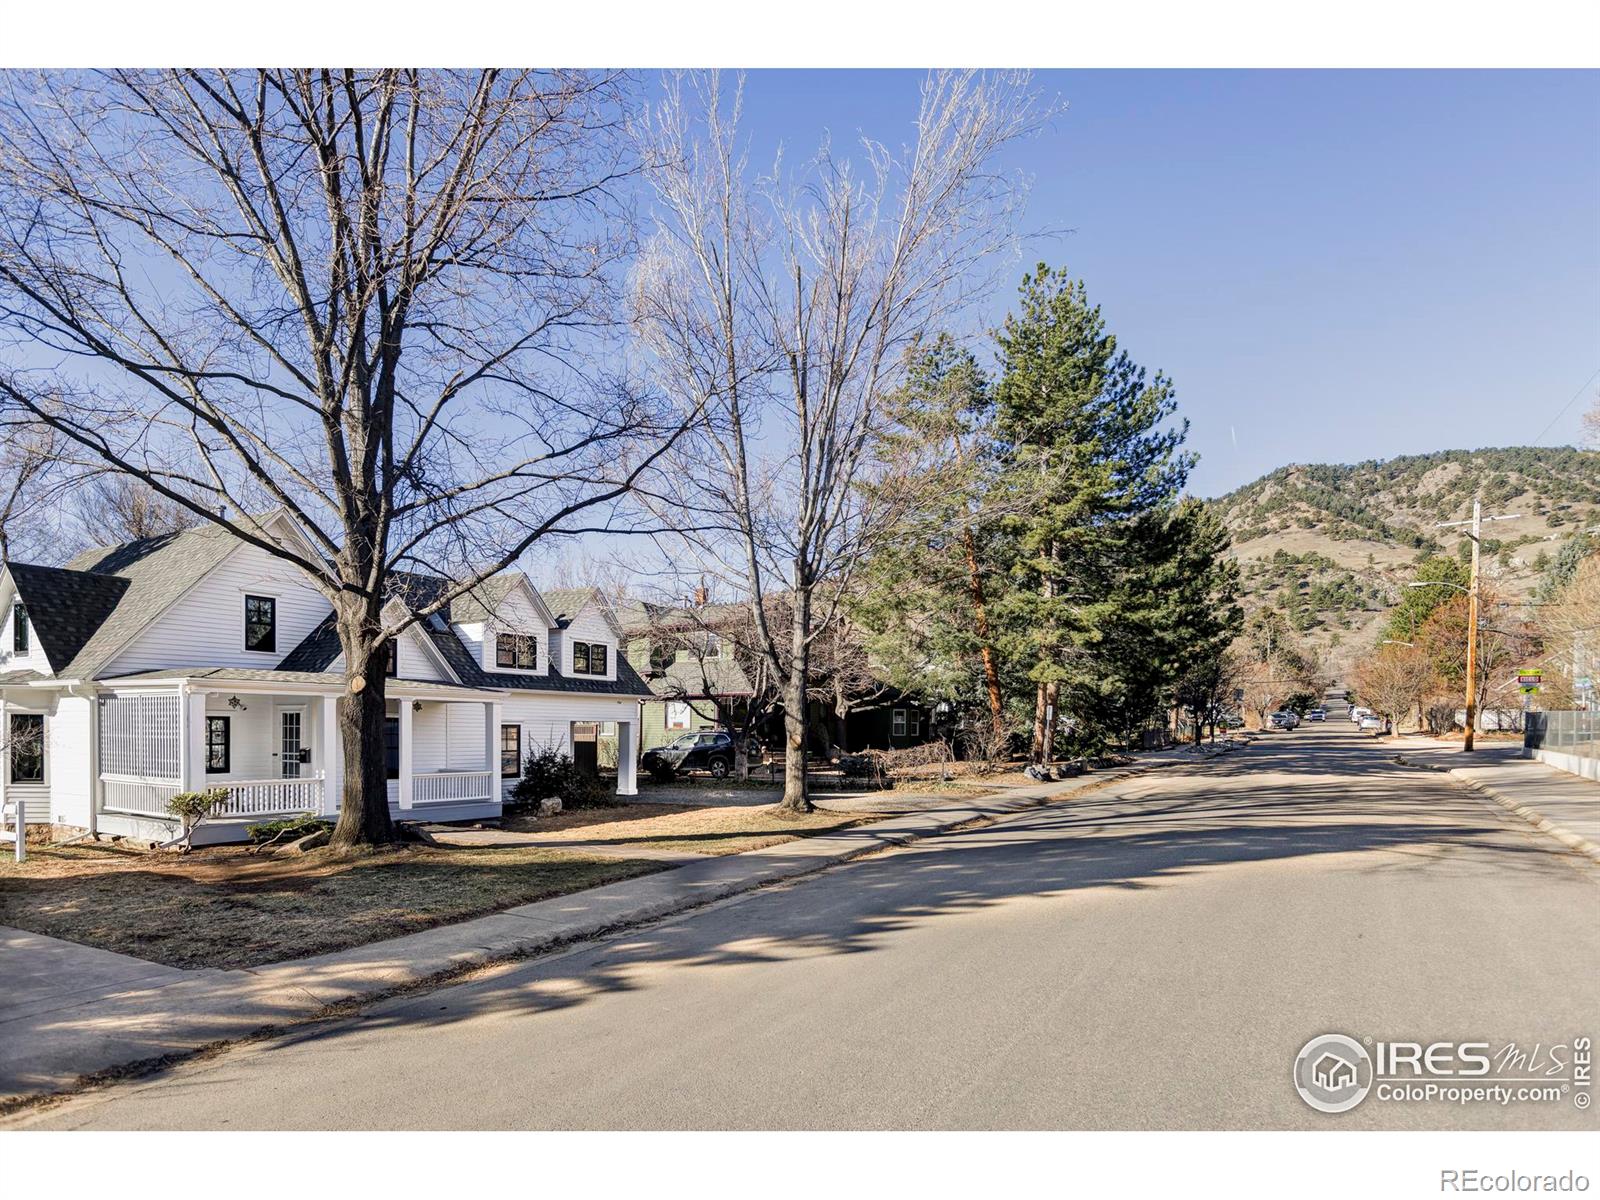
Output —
<point x="246" y="798"/>
<point x="261" y="797"/>
<point x="453" y="787"/>
<point x="15" y="811"/>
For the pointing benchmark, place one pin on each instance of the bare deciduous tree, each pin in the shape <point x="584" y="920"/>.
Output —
<point x="784" y="305"/>
<point x="369" y="299"/>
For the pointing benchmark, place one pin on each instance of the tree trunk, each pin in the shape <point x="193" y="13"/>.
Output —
<point x="794" y="759"/>
<point x="980" y="610"/>
<point x="1038" y="724"/>
<point x="364" y="815"/>
<point x="795" y="692"/>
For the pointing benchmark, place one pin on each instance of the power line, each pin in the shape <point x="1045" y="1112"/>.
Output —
<point x="1567" y="405"/>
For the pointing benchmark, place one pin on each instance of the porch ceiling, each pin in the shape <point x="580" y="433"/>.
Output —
<point x="315" y="682"/>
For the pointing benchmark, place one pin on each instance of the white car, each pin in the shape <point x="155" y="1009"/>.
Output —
<point x="1371" y="724"/>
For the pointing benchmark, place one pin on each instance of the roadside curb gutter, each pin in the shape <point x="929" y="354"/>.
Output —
<point x="1518" y="808"/>
<point x="51" y="1051"/>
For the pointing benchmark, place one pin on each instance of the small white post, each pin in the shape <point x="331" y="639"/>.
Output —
<point x="22" y="828"/>
<point x="404" y="782"/>
<point x="627" y="758"/>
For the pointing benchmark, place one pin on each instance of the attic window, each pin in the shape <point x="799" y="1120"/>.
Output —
<point x="518" y="651"/>
<point x="261" y="623"/>
<point x="588" y="658"/>
<point x="391" y="657"/>
<point x="19" y="627"/>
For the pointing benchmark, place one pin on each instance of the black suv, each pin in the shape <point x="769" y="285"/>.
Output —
<point x="691" y="752"/>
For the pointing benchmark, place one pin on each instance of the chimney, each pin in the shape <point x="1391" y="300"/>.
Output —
<point x="700" y="596"/>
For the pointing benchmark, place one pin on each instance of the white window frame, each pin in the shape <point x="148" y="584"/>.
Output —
<point x="672" y="709"/>
<point x="897" y="726"/>
<point x="44" y="749"/>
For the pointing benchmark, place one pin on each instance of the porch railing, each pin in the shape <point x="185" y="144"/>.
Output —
<point x="263" y="797"/>
<point x="453" y="787"/>
<point x="141" y="797"/>
<point x="246" y="798"/>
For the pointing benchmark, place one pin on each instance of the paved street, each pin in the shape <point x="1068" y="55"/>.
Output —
<point x="1149" y="956"/>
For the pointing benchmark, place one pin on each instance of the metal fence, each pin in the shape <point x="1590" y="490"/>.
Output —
<point x="1576" y="733"/>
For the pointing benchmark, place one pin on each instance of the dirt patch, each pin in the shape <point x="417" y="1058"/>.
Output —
<point x="224" y="908"/>
<point x="685" y="828"/>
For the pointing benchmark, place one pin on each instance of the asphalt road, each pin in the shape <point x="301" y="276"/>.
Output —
<point x="1151" y="956"/>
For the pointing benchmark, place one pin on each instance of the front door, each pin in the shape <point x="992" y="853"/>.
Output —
<point x="586" y="748"/>
<point x="291" y="740"/>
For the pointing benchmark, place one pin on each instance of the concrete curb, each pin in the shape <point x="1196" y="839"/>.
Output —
<point x="1573" y="841"/>
<point x="136" y="1032"/>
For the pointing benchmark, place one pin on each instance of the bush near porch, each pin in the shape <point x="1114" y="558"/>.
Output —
<point x="223" y="907"/>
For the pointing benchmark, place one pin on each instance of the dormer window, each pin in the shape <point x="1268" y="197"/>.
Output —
<point x="588" y="658"/>
<point x="516" y="651"/>
<point x="19" y="627"/>
<point x="391" y="657"/>
<point x="261" y="624"/>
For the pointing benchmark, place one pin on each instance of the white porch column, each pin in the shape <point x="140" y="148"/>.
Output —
<point x="627" y="758"/>
<point x="332" y="756"/>
<point x="404" y="782"/>
<point x="491" y="746"/>
<point x="5" y="756"/>
<point x="191" y="740"/>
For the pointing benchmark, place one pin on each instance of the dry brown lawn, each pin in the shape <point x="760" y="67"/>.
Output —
<point x="684" y="828"/>
<point x="223" y="907"/>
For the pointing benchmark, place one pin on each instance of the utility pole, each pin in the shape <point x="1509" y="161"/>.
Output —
<point x="1472" y="610"/>
<point x="1472" y="627"/>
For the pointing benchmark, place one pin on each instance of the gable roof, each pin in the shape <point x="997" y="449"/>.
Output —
<point x="321" y="648"/>
<point x="566" y="603"/>
<point x="153" y="572"/>
<point x="65" y="607"/>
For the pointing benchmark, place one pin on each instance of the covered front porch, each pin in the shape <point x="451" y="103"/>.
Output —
<point x="273" y="744"/>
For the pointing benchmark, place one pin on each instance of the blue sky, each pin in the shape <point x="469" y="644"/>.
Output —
<point x="1332" y="266"/>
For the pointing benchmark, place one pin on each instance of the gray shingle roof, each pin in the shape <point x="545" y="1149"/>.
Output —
<point x="65" y="607"/>
<point x="481" y="602"/>
<point x="321" y="648"/>
<point x="157" y="571"/>
<point x="566" y="603"/>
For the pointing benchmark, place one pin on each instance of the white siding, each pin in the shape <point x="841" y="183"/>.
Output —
<point x="67" y="740"/>
<point x="516" y="614"/>
<point x="206" y="626"/>
<point x="34" y="659"/>
<point x="416" y="662"/>
<point x="589" y="626"/>
<point x="546" y="721"/>
<point x="254" y="734"/>
<point x="448" y="737"/>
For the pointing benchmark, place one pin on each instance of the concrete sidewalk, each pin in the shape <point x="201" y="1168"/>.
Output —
<point x="1563" y="805"/>
<point x="84" y="1015"/>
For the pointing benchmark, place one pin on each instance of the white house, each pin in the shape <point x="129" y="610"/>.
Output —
<point x="196" y="660"/>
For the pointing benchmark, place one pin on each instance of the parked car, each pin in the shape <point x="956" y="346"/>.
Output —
<point x="711" y="752"/>
<point x="1317" y="714"/>
<point x="1282" y="720"/>
<point x="1356" y="715"/>
<point x="1371" y="724"/>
